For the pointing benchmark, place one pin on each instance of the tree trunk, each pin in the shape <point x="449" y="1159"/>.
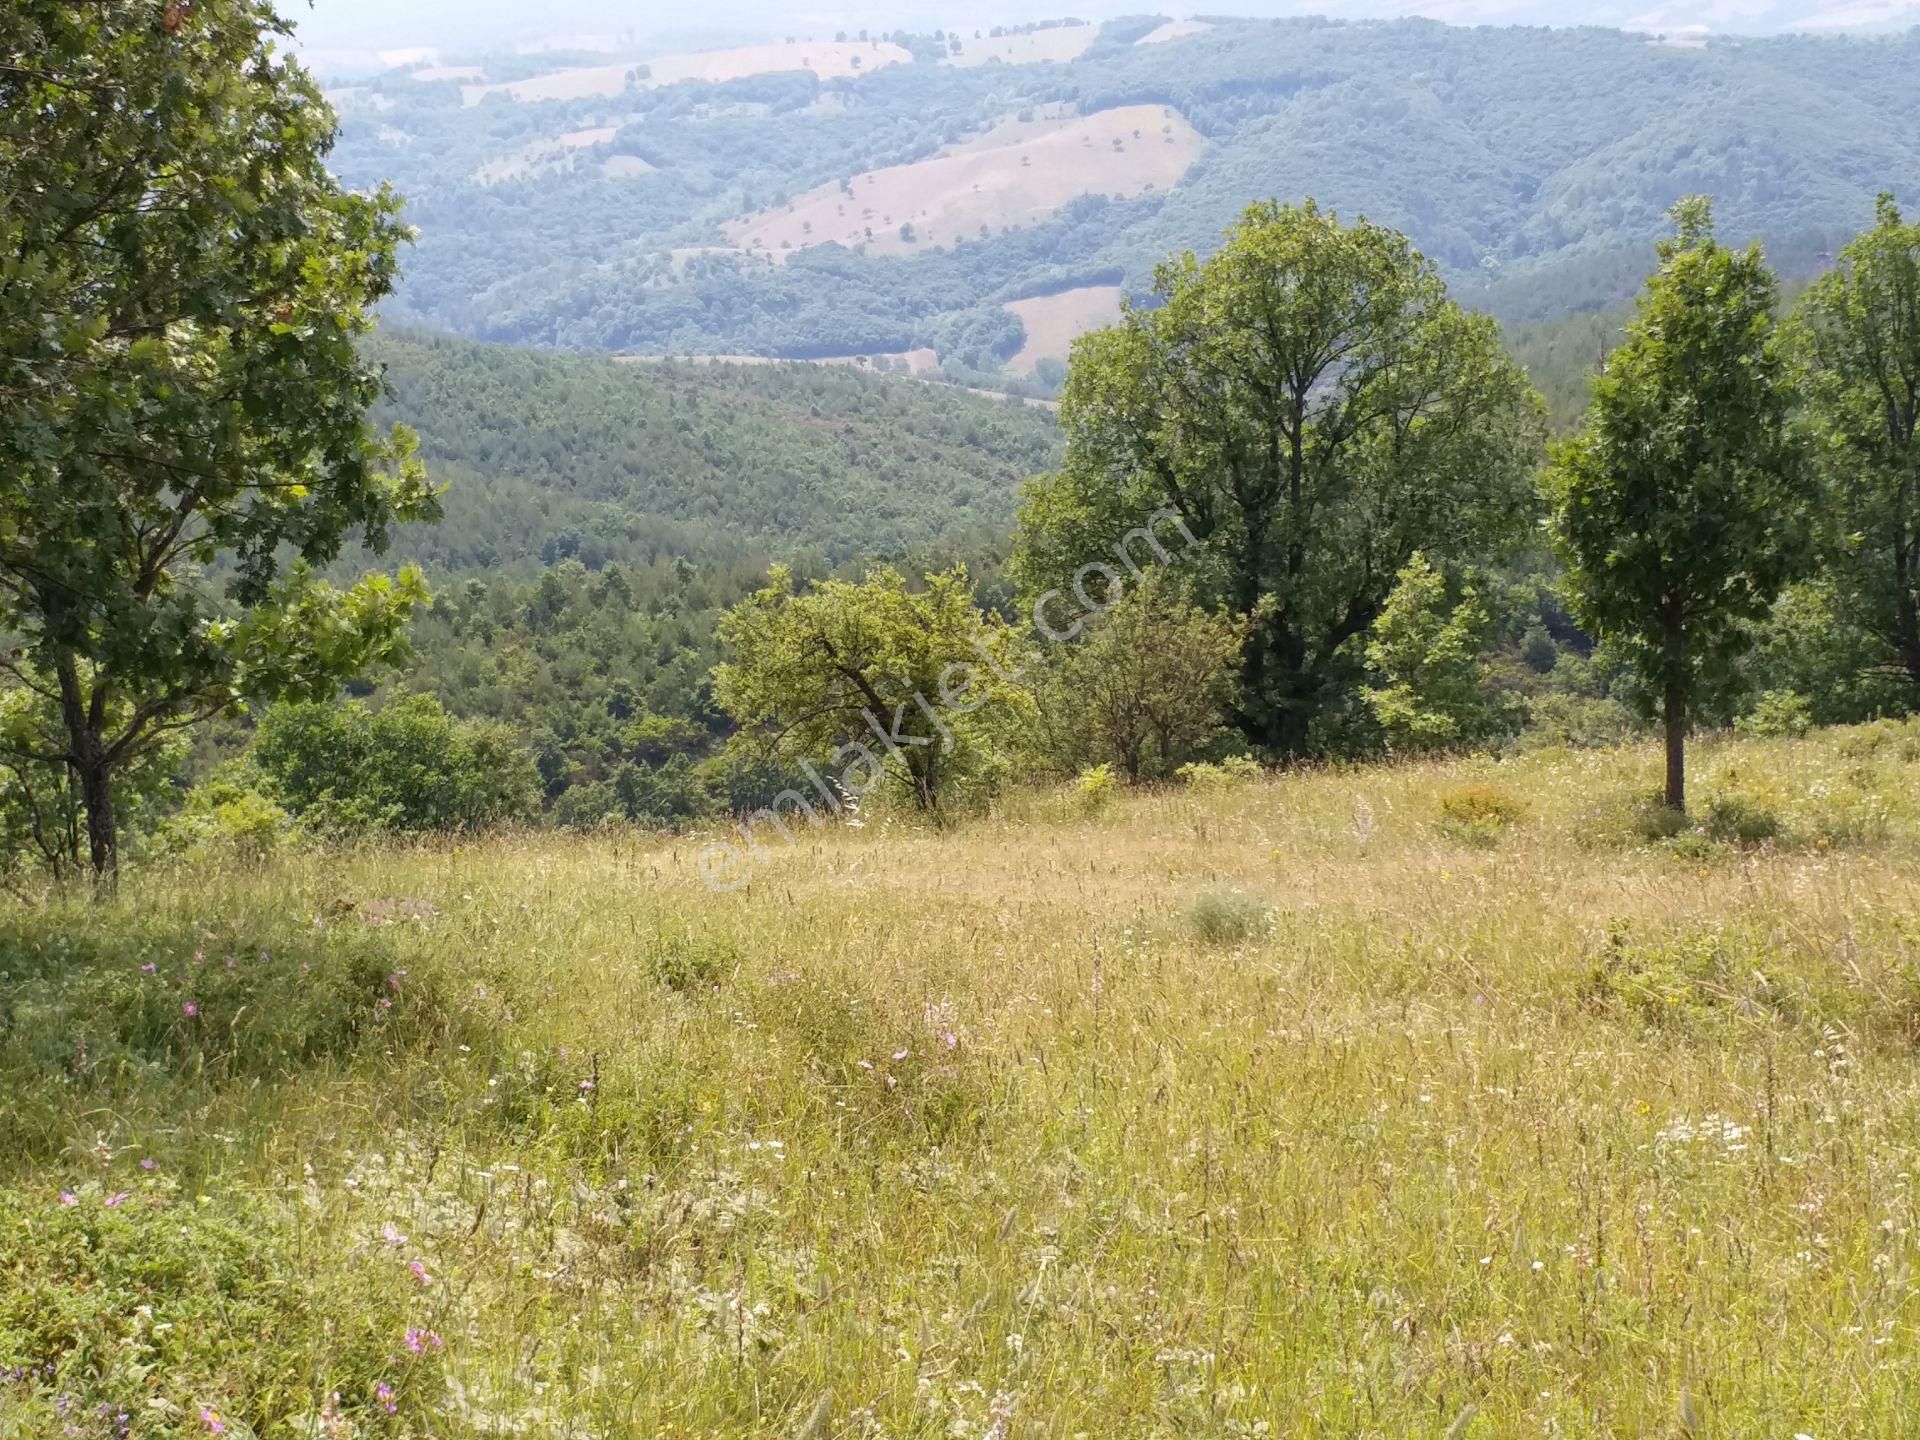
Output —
<point x="92" y="767"/>
<point x="1676" y="717"/>
<point x="96" y="796"/>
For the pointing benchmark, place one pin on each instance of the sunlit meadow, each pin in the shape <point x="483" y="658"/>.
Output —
<point x="1446" y="1101"/>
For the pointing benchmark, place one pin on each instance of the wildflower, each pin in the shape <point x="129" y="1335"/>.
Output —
<point x="420" y="1341"/>
<point x="114" y="1202"/>
<point x="900" y="1054"/>
<point x="211" y="1419"/>
<point x="67" y="1197"/>
<point x="585" y="1086"/>
<point x="391" y="1235"/>
<point x="190" y="1010"/>
<point x="149" y="969"/>
<point x="149" y="1165"/>
<point x="230" y="962"/>
<point x="385" y="1392"/>
<point x="383" y="1003"/>
<point x="420" y="1273"/>
<point x="864" y="1064"/>
<point x="393" y="980"/>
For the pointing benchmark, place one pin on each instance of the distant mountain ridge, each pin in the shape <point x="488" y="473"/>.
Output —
<point x="838" y="203"/>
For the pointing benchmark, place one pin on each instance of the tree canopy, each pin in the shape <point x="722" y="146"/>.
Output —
<point x="182" y="405"/>
<point x="1684" y="505"/>
<point x="1317" y="410"/>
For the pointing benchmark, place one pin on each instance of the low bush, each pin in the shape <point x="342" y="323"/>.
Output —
<point x="1480" y="812"/>
<point x="1228" y="773"/>
<point x="1227" y="917"/>
<point x="129" y="1312"/>
<point x="1095" y="789"/>
<point x="1736" y="818"/>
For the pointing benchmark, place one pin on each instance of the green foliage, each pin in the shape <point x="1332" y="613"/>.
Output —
<point x="553" y="457"/>
<point x="1227" y="917"/>
<point x="1229" y="774"/>
<point x="1480" y="812"/>
<point x="1094" y="789"/>
<point x="876" y="677"/>
<point x="1736" y="818"/>
<point x="179" y="384"/>
<point x="1144" y="685"/>
<point x="1316" y="411"/>
<point x="1778" y="714"/>
<point x="1857" y="339"/>
<point x="145" y="1313"/>
<point x="1428" y="652"/>
<point x="408" y="766"/>
<point x="1684" y="505"/>
<point x="225" y="817"/>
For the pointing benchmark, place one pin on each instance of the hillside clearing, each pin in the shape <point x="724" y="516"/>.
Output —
<point x="1174" y="30"/>
<point x="1054" y="322"/>
<point x="827" y="59"/>
<point x="1035" y="47"/>
<point x="541" y="156"/>
<point x="1014" y="175"/>
<point x="1277" y="1110"/>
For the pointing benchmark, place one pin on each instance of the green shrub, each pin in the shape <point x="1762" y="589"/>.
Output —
<point x="1653" y="820"/>
<point x="690" y="962"/>
<point x="132" y="1311"/>
<point x="1095" y="788"/>
<point x="225" y="818"/>
<point x="1662" y="982"/>
<point x="409" y="766"/>
<point x="1227" y="917"/>
<point x="1479" y="812"/>
<point x="1233" y="771"/>
<point x="1778" y="714"/>
<point x="1735" y="818"/>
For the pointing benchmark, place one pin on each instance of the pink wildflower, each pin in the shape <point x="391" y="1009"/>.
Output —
<point x="67" y="1197"/>
<point x="190" y="1010"/>
<point x="149" y="1165"/>
<point x="114" y="1202"/>
<point x="212" y="1420"/>
<point x="149" y="969"/>
<point x="391" y="1235"/>
<point x="385" y="1392"/>
<point x="419" y="1340"/>
<point x="420" y="1273"/>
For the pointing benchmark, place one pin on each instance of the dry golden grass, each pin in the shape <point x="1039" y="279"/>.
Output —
<point x="1285" y="1109"/>
<point x="1174" y="30"/>
<point x="1035" y="47"/>
<point x="830" y="60"/>
<point x="1054" y="322"/>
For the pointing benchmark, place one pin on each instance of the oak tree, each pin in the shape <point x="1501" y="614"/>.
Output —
<point x="183" y="432"/>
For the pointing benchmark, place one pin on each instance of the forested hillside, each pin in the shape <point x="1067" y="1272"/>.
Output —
<point x="547" y="457"/>
<point x="1533" y="165"/>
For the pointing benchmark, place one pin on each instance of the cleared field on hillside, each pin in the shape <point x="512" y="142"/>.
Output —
<point x="1280" y="1110"/>
<point x="1054" y="322"/>
<point x="1014" y="175"/>
<point x="540" y="156"/>
<point x="1174" y="30"/>
<point x="909" y="362"/>
<point x="828" y="59"/>
<point x="1036" y="47"/>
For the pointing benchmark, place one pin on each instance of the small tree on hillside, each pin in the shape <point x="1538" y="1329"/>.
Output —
<point x="183" y="288"/>
<point x="1428" y="654"/>
<point x="1684" y="504"/>
<point x="875" y="673"/>
<point x="1147" y="685"/>
<point x="1857" y="337"/>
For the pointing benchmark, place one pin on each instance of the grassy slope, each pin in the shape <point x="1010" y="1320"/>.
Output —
<point x="921" y="1128"/>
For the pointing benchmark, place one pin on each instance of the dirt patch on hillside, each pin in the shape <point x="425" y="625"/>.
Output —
<point x="1036" y="47"/>
<point x="1174" y="30"/>
<point x="830" y="60"/>
<point x="540" y="156"/>
<point x="1054" y="322"/>
<point x="980" y="187"/>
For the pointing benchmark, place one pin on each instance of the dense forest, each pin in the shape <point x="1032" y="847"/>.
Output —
<point x="1532" y="165"/>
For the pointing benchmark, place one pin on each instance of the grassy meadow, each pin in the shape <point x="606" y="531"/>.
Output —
<point x="1442" y="1100"/>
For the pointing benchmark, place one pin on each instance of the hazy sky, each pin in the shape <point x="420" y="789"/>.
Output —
<point x="341" y="25"/>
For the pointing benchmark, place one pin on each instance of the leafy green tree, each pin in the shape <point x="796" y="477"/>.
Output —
<point x="1429" y="654"/>
<point x="1857" y="338"/>
<point x="1685" y="503"/>
<point x="878" y="674"/>
<point x="1315" y="409"/>
<point x="408" y="766"/>
<point x="183" y="289"/>
<point x="1146" y="685"/>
